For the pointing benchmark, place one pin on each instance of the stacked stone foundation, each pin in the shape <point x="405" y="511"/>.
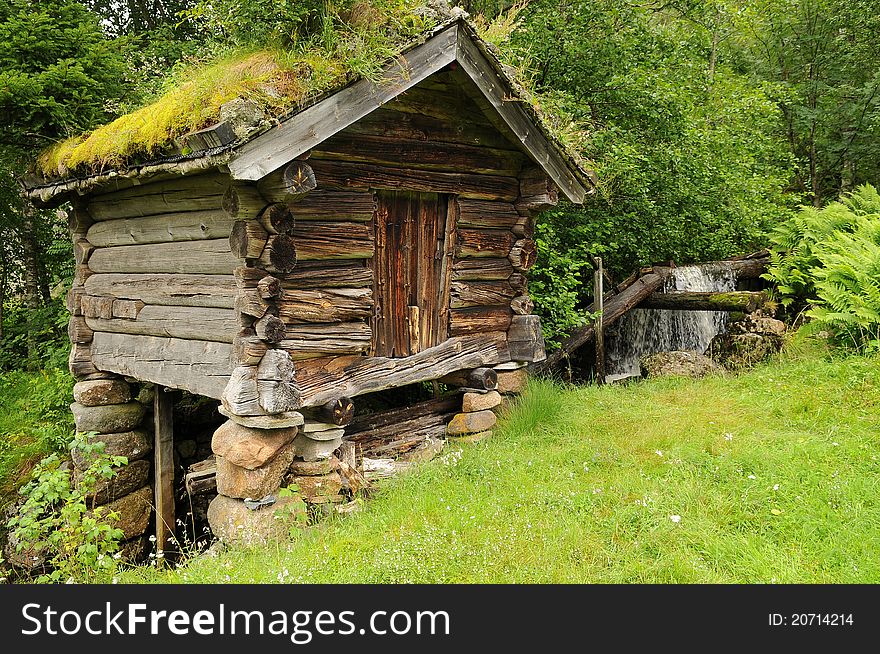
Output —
<point x="106" y="410"/>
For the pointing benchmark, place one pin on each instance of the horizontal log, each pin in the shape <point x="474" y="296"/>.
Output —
<point x="329" y="274"/>
<point x="482" y="269"/>
<point x="487" y="215"/>
<point x="314" y="340"/>
<point x="248" y="239"/>
<point x="162" y="228"/>
<point x="742" y="268"/>
<point x="394" y="440"/>
<point x="333" y="204"/>
<point x="418" y="154"/>
<point x="270" y="328"/>
<point x="190" y="193"/>
<point x="337" y="412"/>
<point x="319" y="240"/>
<point x="745" y="301"/>
<point x="474" y="294"/>
<point x="523" y="254"/>
<point x="109" y="307"/>
<point x="392" y="417"/>
<point x="195" y="257"/>
<point x="356" y="175"/>
<point x="390" y="122"/>
<point x="289" y="183"/>
<point x="79" y="362"/>
<point x="277" y="219"/>
<point x="242" y="201"/>
<point x="485" y="379"/>
<point x="200" y="367"/>
<point x="78" y="331"/>
<point x="166" y="289"/>
<point x="495" y="243"/>
<point x="352" y="376"/>
<point x="479" y="319"/>
<point x="192" y="323"/>
<point x="248" y="349"/>
<point x="616" y="306"/>
<point x="326" y="305"/>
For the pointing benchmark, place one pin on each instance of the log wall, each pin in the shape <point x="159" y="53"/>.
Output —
<point x="204" y="264"/>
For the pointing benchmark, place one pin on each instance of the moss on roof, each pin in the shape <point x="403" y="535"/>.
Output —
<point x="275" y="80"/>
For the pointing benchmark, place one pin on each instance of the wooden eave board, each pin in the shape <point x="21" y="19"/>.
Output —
<point x="312" y="126"/>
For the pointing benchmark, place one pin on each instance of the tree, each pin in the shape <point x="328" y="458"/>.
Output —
<point x="57" y="73"/>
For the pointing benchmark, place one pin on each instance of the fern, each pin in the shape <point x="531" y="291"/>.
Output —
<point x="829" y="261"/>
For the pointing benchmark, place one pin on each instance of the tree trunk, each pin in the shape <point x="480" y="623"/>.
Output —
<point x="31" y="279"/>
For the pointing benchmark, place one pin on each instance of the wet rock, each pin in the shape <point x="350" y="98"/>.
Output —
<point x="679" y="363"/>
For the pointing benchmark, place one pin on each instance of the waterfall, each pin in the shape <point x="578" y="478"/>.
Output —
<point x="647" y="331"/>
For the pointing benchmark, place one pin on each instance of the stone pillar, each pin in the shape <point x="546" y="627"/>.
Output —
<point x="315" y="471"/>
<point x="253" y="454"/>
<point x="105" y="406"/>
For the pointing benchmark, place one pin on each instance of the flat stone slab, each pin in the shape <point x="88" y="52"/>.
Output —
<point x="276" y="421"/>
<point x="110" y="419"/>
<point x="511" y="365"/>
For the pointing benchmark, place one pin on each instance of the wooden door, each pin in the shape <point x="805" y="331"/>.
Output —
<point x="411" y="272"/>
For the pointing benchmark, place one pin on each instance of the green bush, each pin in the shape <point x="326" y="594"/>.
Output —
<point x="826" y="262"/>
<point x="57" y="520"/>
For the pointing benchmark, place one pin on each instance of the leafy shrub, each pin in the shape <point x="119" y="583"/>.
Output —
<point x="57" y="521"/>
<point x="827" y="261"/>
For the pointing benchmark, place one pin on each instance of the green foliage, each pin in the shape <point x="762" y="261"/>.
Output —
<point x="35" y="421"/>
<point x="830" y="259"/>
<point x="58" y="522"/>
<point x="46" y="325"/>
<point x="687" y="149"/>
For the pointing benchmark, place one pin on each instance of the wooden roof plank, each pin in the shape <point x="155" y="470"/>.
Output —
<point x="493" y="87"/>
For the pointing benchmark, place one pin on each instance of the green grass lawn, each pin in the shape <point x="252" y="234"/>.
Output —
<point x="770" y="476"/>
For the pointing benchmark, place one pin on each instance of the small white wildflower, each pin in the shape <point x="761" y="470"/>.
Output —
<point x="728" y="436"/>
<point x="675" y="518"/>
<point x="835" y="444"/>
<point x="152" y="539"/>
<point x="586" y="468"/>
<point x="775" y="487"/>
<point x="752" y="477"/>
<point x="115" y="580"/>
<point x="658" y="452"/>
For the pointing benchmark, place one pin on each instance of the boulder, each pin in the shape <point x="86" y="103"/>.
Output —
<point x="316" y="489"/>
<point x="312" y="468"/>
<point x="235" y="481"/>
<point x="738" y="351"/>
<point x="678" y="363"/>
<point x="126" y="480"/>
<point x="101" y="392"/>
<point x="131" y="444"/>
<point x="186" y="448"/>
<point x="769" y="326"/>
<point x="480" y="401"/>
<point x="134" y="512"/>
<point x="111" y="419"/>
<point x="471" y="423"/>
<point x="247" y="447"/>
<point x="234" y="524"/>
<point x="512" y="381"/>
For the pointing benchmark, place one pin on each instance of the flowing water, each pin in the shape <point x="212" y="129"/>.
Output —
<point x="648" y="331"/>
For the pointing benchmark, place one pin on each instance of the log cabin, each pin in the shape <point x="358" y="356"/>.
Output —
<point x="379" y="237"/>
